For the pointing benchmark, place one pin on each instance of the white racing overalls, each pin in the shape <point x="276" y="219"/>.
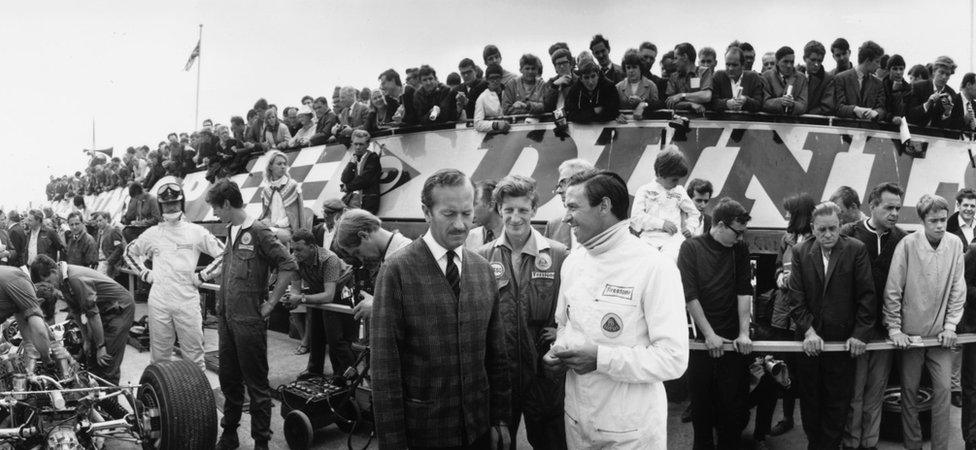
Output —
<point x="627" y="299"/>
<point x="174" y="298"/>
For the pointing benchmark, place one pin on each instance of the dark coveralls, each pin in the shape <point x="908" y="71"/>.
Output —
<point x="527" y="304"/>
<point x="17" y="296"/>
<point x="89" y="293"/>
<point x="326" y="327"/>
<point x="242" y="332"/>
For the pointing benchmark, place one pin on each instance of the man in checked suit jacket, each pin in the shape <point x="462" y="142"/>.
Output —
<point x="832" y="298"/>
<point x="439" y="364"/>
<point x="857" y="92"/>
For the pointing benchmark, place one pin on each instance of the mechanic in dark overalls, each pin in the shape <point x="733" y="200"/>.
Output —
<point x="526" y="266"/>
<point x="102" y="307"/>
<point x="243" y="306"/>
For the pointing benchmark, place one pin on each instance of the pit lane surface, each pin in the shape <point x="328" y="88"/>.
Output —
<point x="285" y="366"/>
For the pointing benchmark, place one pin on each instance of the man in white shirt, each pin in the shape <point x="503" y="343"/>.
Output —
<point x="961" y="222"/>
<point x="489" y="104"/>
<point x="621" y="324"/>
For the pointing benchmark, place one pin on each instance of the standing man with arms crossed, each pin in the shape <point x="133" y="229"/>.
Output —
<point x="880" y="234"/>
<point x="174" y="297"/>
<point x="243" y="306"/>
<point x="439" y="365"/>
<point x="716" y="276"/>
<point x="526" y="267"/>
<point x="621" y="324"/>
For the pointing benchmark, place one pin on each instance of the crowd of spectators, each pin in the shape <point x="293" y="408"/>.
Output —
<point x="589" y="87"/>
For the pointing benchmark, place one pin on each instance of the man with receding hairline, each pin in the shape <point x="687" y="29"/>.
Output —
<point x="438" y="362"/>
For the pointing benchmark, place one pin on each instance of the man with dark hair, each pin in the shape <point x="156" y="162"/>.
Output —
<point x="110" y="243"/>
<point x="252" y="251"/>
<point x="896" y="89"/>
<point x="439" y="373"/>
<point x="18" y="240"/>
<point x="433" y="102"/>
<point x="325" y="121"/>
<point x="716" y="273"/>
<point x="933" y="103"/>
<point x="690" y="87"/>
<point x="491" y="55"/>
<point x="785" y="89"/>
<point x="924" y="297"/>
<point x="142" y="212"/>
<point x="736" y="89"/>
<point x="820" y="91"/>
<point x="332" y="210"/>
<point x="961" y="222"/>
<point x="362" y="173"/>
<point x="40" y="240"/>
<point x="626" y="334"/>
<point x="648" y="54"/>
<point x="600" y="47"/>
<point x="707" y="58"/>
<point x="558" y="87"/>
<point x="486" y="216"/>
<point x="471" y="85"/>
<point x="394" y="90"/>
<point x="80" y="246"/>
<point x="324" y="274"/>
<point x="831" y="298"/>
<point x="880" y="234"/>
<point x="841" y="51"/>
<point x="967" y="94"/>
<point x="748" y="55"/>
<point x="701" y="192"/>
<point x="557" y="46"/>
<point x="593" y="98"/>
<point x="101" y="307"/>
<point x="527" y="269"/>
<point x="849" y="202"/>
<point x="668" y="67"/>
<point x="857" y="92"/>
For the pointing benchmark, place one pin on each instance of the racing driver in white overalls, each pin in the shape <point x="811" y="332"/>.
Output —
<point x="174" y="298"/>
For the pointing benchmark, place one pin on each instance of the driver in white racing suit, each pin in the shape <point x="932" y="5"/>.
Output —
<point x="174" y="298"/>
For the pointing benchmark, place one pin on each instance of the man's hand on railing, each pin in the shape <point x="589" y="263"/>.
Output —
<point x="743" y="344"/>
<point x="901" y="340"/>
<point x="812" y="343"/>
<point x="856" y="347"/>
<point x="948" y="338"/>
<point x="715" y="345"/>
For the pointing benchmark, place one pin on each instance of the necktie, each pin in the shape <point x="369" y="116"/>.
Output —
<point x="453" y="276"/>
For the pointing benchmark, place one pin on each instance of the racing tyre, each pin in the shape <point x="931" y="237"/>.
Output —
<point x="298" y="430"/>
<point x="891" y="413"/>
<point x="176" y="407"/>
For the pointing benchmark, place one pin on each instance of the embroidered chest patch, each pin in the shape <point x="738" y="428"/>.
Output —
<point x="246" y="238"/>
<point x="611" y="325"/>
<point x="543" y="262"/>
<point x="497" y="269"/>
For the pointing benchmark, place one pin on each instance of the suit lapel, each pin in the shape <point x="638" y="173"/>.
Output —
<point x="832" y="263"/>
<point x="817" y="254"/>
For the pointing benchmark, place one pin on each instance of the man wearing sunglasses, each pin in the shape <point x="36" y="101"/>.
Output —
<point x="716" y="275"/>
<point x="174" y="298"/>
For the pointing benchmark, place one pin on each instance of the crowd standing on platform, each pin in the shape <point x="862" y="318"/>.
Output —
<point x="485" y="323"/>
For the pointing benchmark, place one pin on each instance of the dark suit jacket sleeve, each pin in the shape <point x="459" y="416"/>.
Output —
<point x="113" y="259"/>
<point x="91" y="252"/>
<point x="496" y="364"/>
<point x="968" y="322"/>
<point x="369" y="177"/>
<point x="385" y="334"/>
<point x="754" y="93"/>
<point x="797" y="291"/>
<point x="825" y="104"/>
<point x="867" y="301"/>
<point x="878" y="103"/>
<point x="324" y="129"/>
<point x="720" y="95"/>
<point x="845" y="106"/>
<point x="155" y="214"/>
<point x="915" y="101"/>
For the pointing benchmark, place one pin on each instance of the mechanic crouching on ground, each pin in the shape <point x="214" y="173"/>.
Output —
<point x="243" y="306"/>
<point x="622" y="329"/>
<point x="526" y="266"/>
<point x="102" y="308"/>
<point x="323" y="272"/>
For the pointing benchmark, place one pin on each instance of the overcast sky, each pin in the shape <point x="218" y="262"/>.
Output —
<point x="121" y="63"/>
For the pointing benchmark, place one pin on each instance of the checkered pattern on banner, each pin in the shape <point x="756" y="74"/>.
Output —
<point x="318" y="165"/>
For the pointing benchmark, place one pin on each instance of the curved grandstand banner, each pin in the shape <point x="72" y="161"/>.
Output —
<point x="758" y="164"/>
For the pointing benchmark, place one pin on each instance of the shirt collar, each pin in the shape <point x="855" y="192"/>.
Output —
<point x="962" y="223"/>
<point x="533" y="246"/>
<point x="248" y="222"/>
<point x="437" y="250"/>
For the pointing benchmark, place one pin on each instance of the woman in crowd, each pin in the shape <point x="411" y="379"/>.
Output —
<point x="775" y="317"/>
<point x="281" y="198"/>
<point x="381" y="112"/>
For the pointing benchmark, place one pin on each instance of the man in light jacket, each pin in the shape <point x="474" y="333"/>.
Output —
<point x="924" y="297"/>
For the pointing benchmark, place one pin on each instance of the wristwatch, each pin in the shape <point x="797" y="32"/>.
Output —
<point x="302" y="299"/>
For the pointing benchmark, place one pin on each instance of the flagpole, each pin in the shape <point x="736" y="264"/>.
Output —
<point x="196" y="114"/>
<point x="93" y="134"/>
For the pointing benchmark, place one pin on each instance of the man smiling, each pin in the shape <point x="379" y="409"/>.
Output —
<point x="626" y="334"/>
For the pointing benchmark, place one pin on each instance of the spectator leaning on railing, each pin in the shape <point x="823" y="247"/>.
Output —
<point x="525" y="94"/>
<point x="820" y="91"/>
<point x="735" y="89"/>
<point x="637" y="92"/>
<point x="592" y="98"/>
<point x="472" y="85"/>
<point x="857" y="92"/>
<point x="785" y="90"/>
<point x="689" y="88"/>
<point x="488" y="105"/>
<point x="433" y="101"/>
